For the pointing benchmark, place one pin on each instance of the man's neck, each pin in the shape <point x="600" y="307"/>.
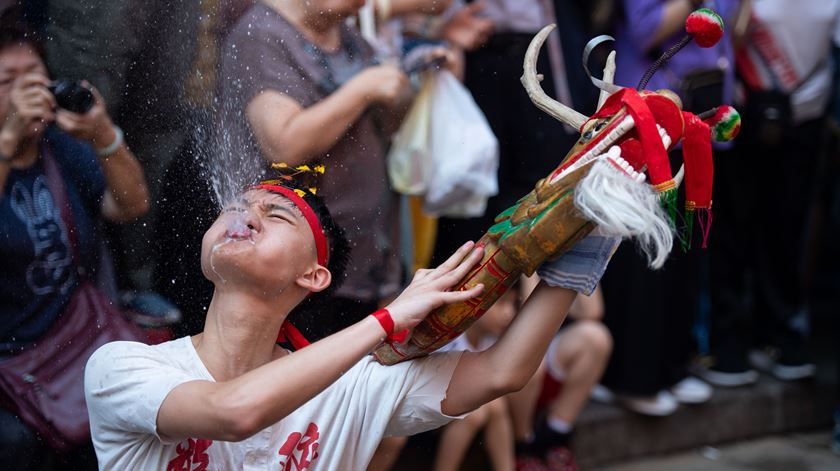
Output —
<point x="318" y="27"/>
<point x="240" y="334"/>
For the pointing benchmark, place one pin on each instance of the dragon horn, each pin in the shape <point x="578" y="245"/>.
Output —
<point x="678" y="178"/>
<point x="609" y="77"/>
<point x="531" y="81"/>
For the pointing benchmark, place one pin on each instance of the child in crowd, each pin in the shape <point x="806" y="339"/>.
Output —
<point x="493" y="417"/>
<point x="558" y="392"/>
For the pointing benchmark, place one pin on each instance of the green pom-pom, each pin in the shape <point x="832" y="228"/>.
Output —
<point x="725" y="124"/>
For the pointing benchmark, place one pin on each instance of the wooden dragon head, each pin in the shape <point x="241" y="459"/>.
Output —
<point x="616" y="177"/>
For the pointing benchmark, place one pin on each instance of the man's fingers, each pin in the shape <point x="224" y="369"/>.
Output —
<point x="452" y="297"/>
<point x="455" y="259"/>
<point x="468" y="263"/>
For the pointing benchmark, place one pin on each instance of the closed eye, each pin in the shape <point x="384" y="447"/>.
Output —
<point x="280" y="216"/>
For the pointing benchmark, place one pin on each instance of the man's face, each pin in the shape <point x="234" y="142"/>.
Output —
<point x="262" y="241"/>
<point x="15" y="62"/>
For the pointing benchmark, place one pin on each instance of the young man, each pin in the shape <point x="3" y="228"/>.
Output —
<point x="230" y="398"/>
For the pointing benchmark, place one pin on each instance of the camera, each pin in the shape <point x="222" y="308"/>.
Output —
<point x="72" y="96"/>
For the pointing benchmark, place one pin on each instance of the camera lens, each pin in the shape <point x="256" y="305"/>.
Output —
<point x="72" y="96"/>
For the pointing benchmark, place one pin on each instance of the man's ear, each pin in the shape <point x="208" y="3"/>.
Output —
<point x="316" y="279"/>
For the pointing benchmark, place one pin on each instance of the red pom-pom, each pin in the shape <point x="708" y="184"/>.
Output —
<point x="705" y="26"/>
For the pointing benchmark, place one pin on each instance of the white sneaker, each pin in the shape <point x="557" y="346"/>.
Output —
<point x="691" y="391"/>
<point x="794" y="372"/>
<point x="602" y="394"/>
<point x="726" y="379"/>
<point x="767" y="362"/>
<point x="662" y="404"/>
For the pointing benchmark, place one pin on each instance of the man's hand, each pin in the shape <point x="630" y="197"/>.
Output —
<point x="382" y="84"/>
<point x="430" y="288"/>
<point x="29" y="102"/>
<point x="94" y="127"/>
<point x="466" y="29"/>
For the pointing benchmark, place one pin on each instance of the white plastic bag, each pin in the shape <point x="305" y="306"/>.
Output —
<point x="410" y="156"/>
<point x="464" y="153"/>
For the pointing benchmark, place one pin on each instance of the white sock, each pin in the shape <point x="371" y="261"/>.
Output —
<point x="559" y="425"/>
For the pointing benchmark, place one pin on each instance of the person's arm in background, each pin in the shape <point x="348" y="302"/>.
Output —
<point x="287" y="132"/>
<point x="663" y="18"/>
<point x="127" y="196"/>
<point x="588" y="307"/>
<point x="466" y="29"/>
<point x="407" y="7"/>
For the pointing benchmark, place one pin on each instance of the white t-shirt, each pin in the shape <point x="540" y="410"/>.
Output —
<point x="339" y="429"/>
<point x="796" y="39"/>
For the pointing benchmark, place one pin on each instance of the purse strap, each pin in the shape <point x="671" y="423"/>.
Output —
<point x="777" y="84"/>
<point x="57" y="187"/>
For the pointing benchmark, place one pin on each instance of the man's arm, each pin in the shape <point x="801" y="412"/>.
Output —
<point x="287" y="132"/>
<point x="236" y="409"/>
<point x="509" y="364"/>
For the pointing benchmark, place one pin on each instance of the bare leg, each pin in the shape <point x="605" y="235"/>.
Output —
<point x="522" y="404"/>
<point x="582" y="352"/>
<point x="387" y="453"/>
<point x="498" y="436"/>
<point x="456" y="439"/>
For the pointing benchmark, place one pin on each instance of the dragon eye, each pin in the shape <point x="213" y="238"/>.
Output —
<point x="599" y="126"/>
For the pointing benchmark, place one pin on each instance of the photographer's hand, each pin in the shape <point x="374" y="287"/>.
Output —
<point x="94" y="127"/>
<point x="127" y="196"/>
<point x="29" y="102"/>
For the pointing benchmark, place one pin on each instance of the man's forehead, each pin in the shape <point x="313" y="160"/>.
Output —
<point x="266" y="197"/>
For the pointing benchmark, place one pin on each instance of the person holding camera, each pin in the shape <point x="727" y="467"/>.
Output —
<point x="63" y="169"/>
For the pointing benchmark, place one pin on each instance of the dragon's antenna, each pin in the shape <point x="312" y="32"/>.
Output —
<point x="703" y="26"/>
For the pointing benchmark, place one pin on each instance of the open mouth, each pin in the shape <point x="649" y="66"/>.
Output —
<point x="607" y="147"/>
<point x="238" y="230"/>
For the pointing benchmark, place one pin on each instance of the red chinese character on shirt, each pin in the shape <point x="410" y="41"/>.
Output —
<point x="188" y="453"/>
<point x="295" y="453"/>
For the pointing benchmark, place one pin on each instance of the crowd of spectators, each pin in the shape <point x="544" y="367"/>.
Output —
<point x="183" y="92"/>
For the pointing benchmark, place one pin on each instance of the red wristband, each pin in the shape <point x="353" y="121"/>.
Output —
<point x="387" y="323"/>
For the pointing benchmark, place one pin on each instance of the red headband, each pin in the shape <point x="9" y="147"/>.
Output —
<point x="308" y="214"/>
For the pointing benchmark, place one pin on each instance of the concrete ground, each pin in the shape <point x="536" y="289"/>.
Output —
<point x="797" y="451"/>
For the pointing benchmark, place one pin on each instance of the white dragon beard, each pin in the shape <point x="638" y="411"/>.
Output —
<point x="623" y="205"/>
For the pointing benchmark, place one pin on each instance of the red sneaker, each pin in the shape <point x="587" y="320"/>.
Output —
<point x="560" y="458"/>
<point x="530" y="463"/>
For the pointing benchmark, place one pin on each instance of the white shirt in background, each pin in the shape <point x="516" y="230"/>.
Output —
<point x="802" y="33"/>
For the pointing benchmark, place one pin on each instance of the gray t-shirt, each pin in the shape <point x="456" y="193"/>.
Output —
<point x="265" y="52"/>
